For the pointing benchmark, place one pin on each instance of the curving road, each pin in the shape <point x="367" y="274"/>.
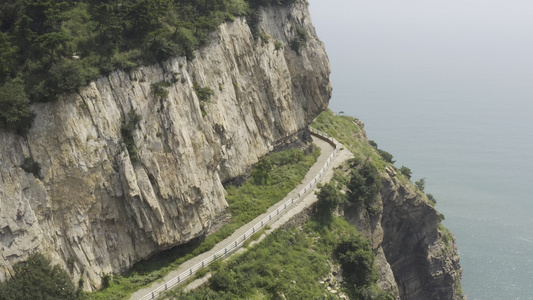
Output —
<point x="296" y="201"/>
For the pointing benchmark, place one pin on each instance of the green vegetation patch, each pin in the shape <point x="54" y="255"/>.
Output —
<point x="347" y="131"/>
<point x="290" y="264"/>
<point x="284" y="171"/>
<point x="299" y="41"/>
<point x="15" y="113"/>
<point x="127" y="128"/>
<point x="246" y="202"/>
<point x="36" y="278"/>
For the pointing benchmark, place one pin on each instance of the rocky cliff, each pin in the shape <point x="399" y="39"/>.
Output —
<point x="95" y="207"/>
<point x="421" y="252"/>
<point x="416" y="256"/>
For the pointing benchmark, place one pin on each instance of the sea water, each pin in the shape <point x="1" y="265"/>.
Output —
<point x="460" y="116"/>
<point x="477" y="158"/>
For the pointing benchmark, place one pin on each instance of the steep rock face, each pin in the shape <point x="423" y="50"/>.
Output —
<point x="417" y="258"/>
<point x="95" y="210"/>
<point x="422" y="253"/>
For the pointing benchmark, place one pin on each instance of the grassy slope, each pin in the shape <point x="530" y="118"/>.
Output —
<point x="288" y="264"/>
<point x="351" y="135"/>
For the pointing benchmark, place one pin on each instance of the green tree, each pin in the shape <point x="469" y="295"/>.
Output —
<point x="357" y="260"/>
<point x="386" y="156"/>
<point x="54" y="44"/>
<point x="160" y="45"/>
<point x="364" y="184"/>
<point x="107" y="15"/>
<point x="143" y="15"/>
<point x="261" y="171"/>
<point x="7" y="52"/>
<point x="328" y="197"/>
<point x="9" y="14"/>
<point x="431" y="198"/>
<point x="15" y="113"/>
<point x="65" y="76"/>
<point x="406" y="172"/>
<point x="421" y="184"/>
<point x="127" y="130"/>
<point x="36" y="279"/>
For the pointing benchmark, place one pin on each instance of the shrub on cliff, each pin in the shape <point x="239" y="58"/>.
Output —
<point x="127" y="129"/>
<point x="357" y="260"/>
<point x="299" y="41"/>
<point x="386" y="156"/>
<point x="421" y="184"/>
<point x="15" y="113"/>
<point x="329" y="197"/>
<point x="364" y="184"/>
<point x="406" y="172"/>
<point x="37" y="279"/>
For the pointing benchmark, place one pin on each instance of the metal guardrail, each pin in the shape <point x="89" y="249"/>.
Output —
<point x="273" y="216"/>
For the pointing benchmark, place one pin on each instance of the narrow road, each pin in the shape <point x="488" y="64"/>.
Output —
<point x="297" y="196"/>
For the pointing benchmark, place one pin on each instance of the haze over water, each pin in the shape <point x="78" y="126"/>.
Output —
<point x="447" y="88"/>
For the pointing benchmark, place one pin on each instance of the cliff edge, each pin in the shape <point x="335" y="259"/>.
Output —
<point x="416" y="255"/>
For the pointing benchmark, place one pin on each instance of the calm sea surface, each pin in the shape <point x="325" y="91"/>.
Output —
<point x="467" y="128"/>
<point x="477" y="157"/>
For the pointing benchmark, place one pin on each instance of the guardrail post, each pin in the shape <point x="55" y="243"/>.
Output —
<point x="166" y="287"/>
<point x="178" y="279"/>
<point x="153" y="295"/>
<point x="269" y="217"/>
<point x="190" y="271"/>
<point x="235" y="244"/>
<point x="215" y="257"/>
<point x="261" y="223"/>
<point x="253" y="229"/>
<point x="202" y="263"/>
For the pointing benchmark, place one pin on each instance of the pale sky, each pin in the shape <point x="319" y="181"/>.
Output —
<point x="463" y="45"/>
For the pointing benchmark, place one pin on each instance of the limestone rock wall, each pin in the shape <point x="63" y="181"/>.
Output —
<point x="94" y="210"/>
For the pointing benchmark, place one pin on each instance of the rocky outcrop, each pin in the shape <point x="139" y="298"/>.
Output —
<point x="421" y="252"/>
<point x="416" y="256"/>
<point x="96" y="208"/>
